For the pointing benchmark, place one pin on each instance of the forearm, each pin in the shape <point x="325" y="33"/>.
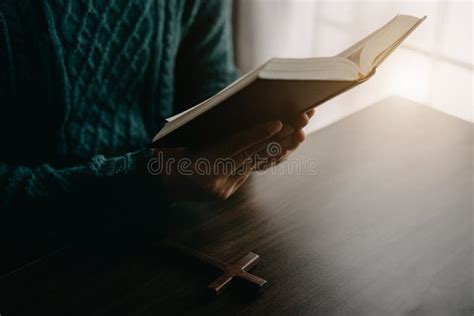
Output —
<point x="40" y="201"/>
<point x="45" y="183"/>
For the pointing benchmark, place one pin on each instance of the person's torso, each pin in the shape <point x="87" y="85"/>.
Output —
<point x="113" y="75"/>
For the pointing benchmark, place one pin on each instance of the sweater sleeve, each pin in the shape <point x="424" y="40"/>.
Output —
<point x="205" y="62"/>
<point x="45" y="183"/>
<point x="43" y="208"/>
<point x="103" y="190"/>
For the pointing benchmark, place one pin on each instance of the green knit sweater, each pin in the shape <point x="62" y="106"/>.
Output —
<point x="84" y="86"/>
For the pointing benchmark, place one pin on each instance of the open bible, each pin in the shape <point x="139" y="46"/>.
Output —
<point x="282" y="87"/>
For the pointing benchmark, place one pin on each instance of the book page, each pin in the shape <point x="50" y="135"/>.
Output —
<point x="379" y="59"/>
<point x="347" y="69"/>
<point x="389" y="36"/>
<point x="322" y="68"/>
<point x="353" y="52"/>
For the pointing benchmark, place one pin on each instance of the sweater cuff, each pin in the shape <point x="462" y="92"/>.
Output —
<point x="122" y="165"/>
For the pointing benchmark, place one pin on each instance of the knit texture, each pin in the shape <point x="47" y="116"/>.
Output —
<point x="86" y="83"/>
<point x="106" y="71"/>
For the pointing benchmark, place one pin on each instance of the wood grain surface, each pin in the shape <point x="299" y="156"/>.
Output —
<point x="381" y="224"/>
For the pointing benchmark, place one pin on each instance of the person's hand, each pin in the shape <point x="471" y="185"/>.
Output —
<point x="292" y="142"/>
<point x="216" y="172"/>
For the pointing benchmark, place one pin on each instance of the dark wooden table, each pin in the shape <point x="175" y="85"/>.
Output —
<point x="384" y="227"/>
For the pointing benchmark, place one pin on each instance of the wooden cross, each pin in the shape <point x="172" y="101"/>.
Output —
<point x="237" y="269"/>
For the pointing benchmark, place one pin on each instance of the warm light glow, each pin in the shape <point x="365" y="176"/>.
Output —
<point x="434" y="66"/>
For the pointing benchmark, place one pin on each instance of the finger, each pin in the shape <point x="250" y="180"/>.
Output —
<point x="286" y="143"/>
<point x="243" y="170"/>
<point x="282" y="136"/>
<point x="268" y="158"/>
<point x="272" y="161"/>
<point x="274" y="153"/>
<point x="298" y="138"/>
<point x="245" y="139"/>
<point x="269" y="164"/>
<point x="300" y="121"/>
<point x="271" y="156"/>
<point x="286" y="131"/>
<point x="275" y="149"/>
<point x="238" y="181"/>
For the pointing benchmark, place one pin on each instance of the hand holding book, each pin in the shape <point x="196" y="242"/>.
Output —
<point x="217" y="171"/>
<point x="284" y="87"/>
<point x="241" y="120"/>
